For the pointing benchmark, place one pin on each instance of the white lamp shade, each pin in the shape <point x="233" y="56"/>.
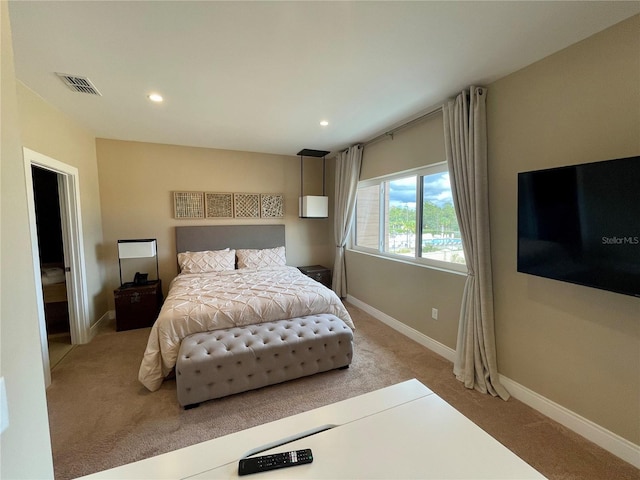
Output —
<point x="314" y="207"/>
<point x="136" y="249"/>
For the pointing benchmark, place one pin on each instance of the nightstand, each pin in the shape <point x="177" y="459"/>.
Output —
<point x="137" y="306"/>
<point x="318" y="273"/>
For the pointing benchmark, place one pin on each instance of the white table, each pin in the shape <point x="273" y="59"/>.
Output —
<point x="402" y="431"/>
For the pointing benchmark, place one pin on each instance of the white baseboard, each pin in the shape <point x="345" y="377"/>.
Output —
<point x="108" y="315"/>
<point x="433" y="345"/>
<point x="613" y="443"/>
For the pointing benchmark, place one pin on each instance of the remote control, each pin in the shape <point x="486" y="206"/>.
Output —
<point x="271" y="462"/>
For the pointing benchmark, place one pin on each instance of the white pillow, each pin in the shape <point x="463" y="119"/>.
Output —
<point x="207" y="261"/>
<point x="267" y="257"/>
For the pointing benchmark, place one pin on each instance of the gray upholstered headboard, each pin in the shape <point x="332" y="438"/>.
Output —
<point x="218" y="237"/>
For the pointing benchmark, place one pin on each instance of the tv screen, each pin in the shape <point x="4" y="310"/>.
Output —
<point x="581" y="224"/>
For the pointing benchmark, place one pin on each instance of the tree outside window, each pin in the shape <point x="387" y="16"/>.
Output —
<point x="424" y="195"/>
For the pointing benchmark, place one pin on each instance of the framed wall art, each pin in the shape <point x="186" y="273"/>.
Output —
<point x="188" y="204"/>
<point x="193" y="205"/>
<point x="271" y="205"/>
<point x="218" y="205"/>
<point x="246" y="205"/>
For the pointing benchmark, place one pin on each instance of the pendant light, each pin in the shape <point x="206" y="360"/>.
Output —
<point x="313" y="206"/>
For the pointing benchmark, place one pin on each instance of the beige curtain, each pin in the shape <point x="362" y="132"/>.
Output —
<point x="465" y="131"/>
<point x="348" y="165"/>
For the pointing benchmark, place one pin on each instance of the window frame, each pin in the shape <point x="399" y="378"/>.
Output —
<point x="417" y="258"/>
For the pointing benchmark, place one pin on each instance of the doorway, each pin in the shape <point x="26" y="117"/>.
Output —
<point x="52" y="263"/>
<point x="61" y="283"/>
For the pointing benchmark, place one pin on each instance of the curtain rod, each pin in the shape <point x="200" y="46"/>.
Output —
<point x="391" y="132"/>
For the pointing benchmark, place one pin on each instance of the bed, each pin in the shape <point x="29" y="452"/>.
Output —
<point x="230" y="276"/>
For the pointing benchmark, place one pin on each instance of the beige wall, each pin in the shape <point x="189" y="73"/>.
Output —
<point x="25" y="446"/>
<point x="574" y="345"/>
<point x="51" y="133"/>
<point x="577" y="346"/>
<point x="404" y="291"/>
<point x="407" y="293"/>
<point x="137" y="181"/>
<point x="415" y="146"/>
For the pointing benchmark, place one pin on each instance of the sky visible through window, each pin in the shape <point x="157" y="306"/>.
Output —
<point x="440" y="236"/>
<point x="401" y="232"/>
<point x="437" y="190"/>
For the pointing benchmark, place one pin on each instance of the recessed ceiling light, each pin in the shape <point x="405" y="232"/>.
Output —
<point x="155" y="97"/>
<point x="324" y="123"/>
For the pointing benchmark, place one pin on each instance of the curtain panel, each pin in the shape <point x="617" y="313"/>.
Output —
<point x="348" y="164"/>
<point x="465" y="131"/>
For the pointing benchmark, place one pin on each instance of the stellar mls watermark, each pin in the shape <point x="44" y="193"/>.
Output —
<point x="620" y="240"/>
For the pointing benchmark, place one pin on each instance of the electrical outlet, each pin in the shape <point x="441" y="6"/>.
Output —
<point x="434" y="313"/>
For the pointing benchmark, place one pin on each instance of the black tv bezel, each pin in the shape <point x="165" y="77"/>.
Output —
<point x="520" y="269"/>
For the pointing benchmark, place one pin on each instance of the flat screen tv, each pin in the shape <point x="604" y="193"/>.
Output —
<point x="581" y="224"/>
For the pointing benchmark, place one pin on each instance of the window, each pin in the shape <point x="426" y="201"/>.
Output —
<point x="368" y="216"/>
<point x="410" y="215"/>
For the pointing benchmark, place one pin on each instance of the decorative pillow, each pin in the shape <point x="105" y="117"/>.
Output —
<point x="207" y="261"/>
<point x="267" y="257"/>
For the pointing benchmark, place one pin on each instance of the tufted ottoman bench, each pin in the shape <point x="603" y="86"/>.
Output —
<point x="223" y="362"/>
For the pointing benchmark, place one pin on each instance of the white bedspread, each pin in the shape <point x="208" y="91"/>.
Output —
<point x="212" y="301"/>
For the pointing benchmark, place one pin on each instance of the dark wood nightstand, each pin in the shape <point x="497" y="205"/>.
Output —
<point x="137" y="306"/>
<point x="318" y="273"/>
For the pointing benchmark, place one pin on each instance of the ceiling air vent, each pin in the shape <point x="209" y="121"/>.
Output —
<point x="79" y="84"/>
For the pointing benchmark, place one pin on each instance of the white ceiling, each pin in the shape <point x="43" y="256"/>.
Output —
<point x="259" y="76"/>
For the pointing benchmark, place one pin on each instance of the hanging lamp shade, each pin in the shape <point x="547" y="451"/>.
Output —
<point x="313" y="206"/>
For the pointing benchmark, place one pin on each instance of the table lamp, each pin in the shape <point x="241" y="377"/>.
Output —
<point x="137" y="249"/>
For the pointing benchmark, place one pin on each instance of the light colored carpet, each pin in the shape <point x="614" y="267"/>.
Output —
<point x="101" y="417"/>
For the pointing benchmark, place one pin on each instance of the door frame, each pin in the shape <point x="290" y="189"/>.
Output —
<point x="72" y="239"/>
